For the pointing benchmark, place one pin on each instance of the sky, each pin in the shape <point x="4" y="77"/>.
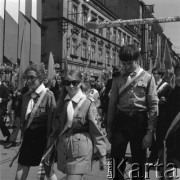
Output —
<point x="12" y="7"/>
<point x="168" y="8"/>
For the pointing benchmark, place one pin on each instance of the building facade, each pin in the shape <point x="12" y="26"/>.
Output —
<point x="64" y="33"/>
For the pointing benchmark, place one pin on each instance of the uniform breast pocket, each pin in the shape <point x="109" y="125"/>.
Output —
<point x="42" y="109"/>
<point x="140" y="88"/>
<point x="79" y="118"/>
<point x="80" y="145"/>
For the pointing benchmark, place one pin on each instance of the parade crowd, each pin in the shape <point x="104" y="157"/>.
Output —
<point x="61" y="119"/>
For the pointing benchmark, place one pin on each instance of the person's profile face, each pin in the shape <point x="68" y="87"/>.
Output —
<point x="156" y="75"/>
<point x="32" y="80"/>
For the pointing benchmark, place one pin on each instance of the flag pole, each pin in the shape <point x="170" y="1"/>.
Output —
<point x="4" y="30"/>
<point x="19" y="78"/>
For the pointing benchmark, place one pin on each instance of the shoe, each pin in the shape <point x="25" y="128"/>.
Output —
<point x="10" y="144"/>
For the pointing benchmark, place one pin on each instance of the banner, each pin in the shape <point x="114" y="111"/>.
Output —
<point x="11" y="38"/>
<point x="35" y="55"/>
<point x="2" y="7"/>
<point x="119" y="22"/>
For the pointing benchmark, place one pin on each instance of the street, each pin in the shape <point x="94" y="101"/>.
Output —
<point x="7" y="173"/>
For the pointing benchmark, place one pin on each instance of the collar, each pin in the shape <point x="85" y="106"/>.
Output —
<point x="40" y="88"/>
<point x="158" y="83"/>
<point x="79" y="95"/>
<point x="133" y="73"/>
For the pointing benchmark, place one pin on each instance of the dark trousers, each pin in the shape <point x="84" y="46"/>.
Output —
<point x="3" y="127"/>
<point x="129" y="129"/>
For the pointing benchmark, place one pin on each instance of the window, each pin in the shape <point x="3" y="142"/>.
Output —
<point x="107" y="57"/>
<point x="100" y="53"/>
<point x="74" y="13"/>
<point x="114" y="58"/>
<point x="128" y="40"/>
<point x="84" y="18"/>
<point x="92" y="53"/>
<point x="119" y="37"/>
<point x="108" y="33"/>
<point x="124" y="39"/>
<point x="114" y="36"/>
<point x="100" y="30"/>
<point x="84" y="50"/>
<point x="74" y="45"/>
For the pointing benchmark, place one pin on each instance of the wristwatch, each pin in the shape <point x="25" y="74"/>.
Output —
<point x="150" y="130"/>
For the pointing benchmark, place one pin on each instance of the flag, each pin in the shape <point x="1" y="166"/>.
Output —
<point x="2" y="7"/>
<point x="35" y="55"/>
<point x="167" y="57"/>
<point x="11" y="38"/>
<point x="51" y="69"/>
<point x="24" y="27"/>
<point x="24" y="48"/>
<point x="156" y="63"/>
<point x="28" y="8"/>
<point x="39" y="11"/>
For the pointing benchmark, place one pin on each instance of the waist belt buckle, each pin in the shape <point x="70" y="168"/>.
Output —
<point x="131" y="113"/>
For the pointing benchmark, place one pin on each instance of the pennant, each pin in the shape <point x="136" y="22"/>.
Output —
<point x="35" y="55"/>
<point x="51" y="69"/>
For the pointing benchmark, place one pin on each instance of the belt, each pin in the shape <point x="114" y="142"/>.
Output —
<point x="35" y="126"/>
<point x="76" y="131"/>
<point x="130" y="113"/>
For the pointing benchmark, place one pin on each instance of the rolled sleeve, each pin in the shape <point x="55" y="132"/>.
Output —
<point x="96" y="134"/>
<point x="152" y="100"/>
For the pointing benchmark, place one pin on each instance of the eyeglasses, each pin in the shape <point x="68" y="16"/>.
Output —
<point x="68" y="83"/>
<point x="31" y="78"/>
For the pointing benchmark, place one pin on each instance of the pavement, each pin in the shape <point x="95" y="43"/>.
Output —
<point x="7" y="173"/>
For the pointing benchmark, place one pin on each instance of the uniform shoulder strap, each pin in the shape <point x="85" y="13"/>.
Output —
<point x="85" y="105"/>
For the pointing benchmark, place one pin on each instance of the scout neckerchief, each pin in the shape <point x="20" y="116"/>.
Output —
<point x="36" y="107"/>
<point x="131" y="82"/>
<point x="30" y="120"/>
<point x="161" y="87"/>
<point x="65" y="127"/>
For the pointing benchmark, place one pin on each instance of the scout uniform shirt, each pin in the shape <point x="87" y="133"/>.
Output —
<point x="75" y="146"/>
<point x="140" y="97"/>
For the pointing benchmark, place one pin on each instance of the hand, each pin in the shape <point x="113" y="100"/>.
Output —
<point x="102" y="163"/>
<point x="47" y="159"/>
<point x="147" y="140"/>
